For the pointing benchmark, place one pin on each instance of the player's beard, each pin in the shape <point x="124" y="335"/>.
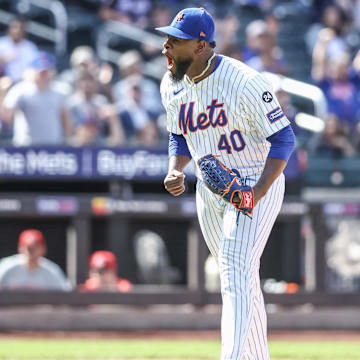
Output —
<point x="181" y="66"/>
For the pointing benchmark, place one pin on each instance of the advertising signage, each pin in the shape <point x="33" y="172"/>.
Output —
<point x="91" y="163"/>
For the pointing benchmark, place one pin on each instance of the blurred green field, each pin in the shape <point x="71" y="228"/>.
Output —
<point x="94" y="349"/>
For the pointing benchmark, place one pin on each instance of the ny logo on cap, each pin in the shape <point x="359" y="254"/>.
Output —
<point x="180" y="17"/>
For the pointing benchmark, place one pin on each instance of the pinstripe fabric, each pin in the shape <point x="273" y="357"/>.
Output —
<point x="210" y="209"/>
<point x="240" y="89"/>
<point x="238" y="248"/>
<point x="231" y="113"/>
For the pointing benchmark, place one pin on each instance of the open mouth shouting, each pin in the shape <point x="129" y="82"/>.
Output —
<point x="170" y="61"/>
<point x="177" y="68"/>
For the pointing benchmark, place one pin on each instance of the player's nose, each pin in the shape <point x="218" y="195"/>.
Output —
<point x="166" y="44"/>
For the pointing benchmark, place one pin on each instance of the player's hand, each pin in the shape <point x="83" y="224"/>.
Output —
<point x="257" y="196"/>
<point x="237" y="199"/>
<point x="174" y="182"/>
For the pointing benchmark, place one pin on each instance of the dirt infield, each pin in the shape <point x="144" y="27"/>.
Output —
<point x="184" y="335"/>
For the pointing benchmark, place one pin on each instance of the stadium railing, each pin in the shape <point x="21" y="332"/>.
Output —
<point x="133" y="33"/>
<point x="56" y="35"/>
<point x="80" y="210"/>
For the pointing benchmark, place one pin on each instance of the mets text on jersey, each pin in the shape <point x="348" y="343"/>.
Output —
<point x="203" y="120"/>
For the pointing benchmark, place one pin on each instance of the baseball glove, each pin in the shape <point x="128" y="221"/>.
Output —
<point x="224" y="182"/>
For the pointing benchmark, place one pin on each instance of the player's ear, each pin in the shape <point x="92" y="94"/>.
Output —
<point x="201" y="44"/>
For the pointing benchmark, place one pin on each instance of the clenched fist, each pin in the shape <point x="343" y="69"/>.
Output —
<point x="174" y="182"/>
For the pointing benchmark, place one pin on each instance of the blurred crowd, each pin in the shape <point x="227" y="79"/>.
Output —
<point x="30" y="270"/>
<point x="92" y="102"/>
<point x="96" y="103"/>
<point x="79" y="106"/>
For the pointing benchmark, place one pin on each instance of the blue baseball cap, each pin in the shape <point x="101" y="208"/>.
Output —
<point x="44" y="61"/>
<point x="191" y="23"/>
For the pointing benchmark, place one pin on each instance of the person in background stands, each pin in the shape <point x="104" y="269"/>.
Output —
<point x="5" y="128"/>
<point x="131" y="68"/>
<point x="83" y="59"/>
<point x="16" y="52"/>
<point x="95" y="121"/>
<point x="103" y="274"/>
<point x="130" y="12"/>
<point x="30" y="270"/>
<point x="45" y="119"/>
<point x="261" y="53"/>
<point x="341" y="87"/>
<point x="140" y="129"/>
<point x="333" y="142"/>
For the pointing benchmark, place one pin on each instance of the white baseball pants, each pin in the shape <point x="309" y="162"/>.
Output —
<point x="237" y="242"/>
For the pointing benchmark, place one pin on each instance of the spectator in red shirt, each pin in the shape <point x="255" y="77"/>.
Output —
<point x="103" y="274"/>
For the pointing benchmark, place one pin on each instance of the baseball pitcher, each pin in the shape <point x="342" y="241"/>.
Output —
<point x="225" y="116"/>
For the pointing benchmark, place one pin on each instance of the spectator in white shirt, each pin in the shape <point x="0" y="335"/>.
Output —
<point x="16" y="52"/>
<point x="29" y="270"/>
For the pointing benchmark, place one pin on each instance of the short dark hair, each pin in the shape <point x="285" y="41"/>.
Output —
<point x="213" y="44"/>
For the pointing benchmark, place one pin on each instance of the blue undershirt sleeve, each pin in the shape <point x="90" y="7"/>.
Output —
<point x="282" y="143"/>
<point x="178" y="145"/>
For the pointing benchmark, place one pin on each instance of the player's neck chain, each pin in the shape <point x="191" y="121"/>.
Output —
<point x="192" y="80"/>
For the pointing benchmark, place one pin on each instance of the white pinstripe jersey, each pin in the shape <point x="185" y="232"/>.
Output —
<point x="230" y="113"/>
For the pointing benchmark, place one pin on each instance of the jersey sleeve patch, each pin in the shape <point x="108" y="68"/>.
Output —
<point x="267" y="97"/>
<point x="275" y="115"/>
